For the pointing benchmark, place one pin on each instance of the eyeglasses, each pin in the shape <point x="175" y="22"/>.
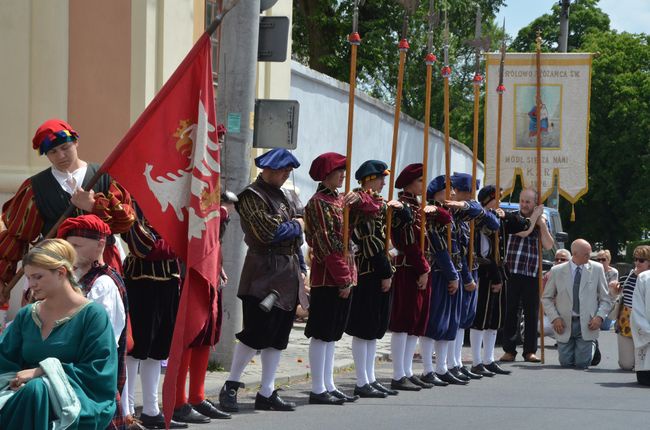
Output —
<point x="640" y="260"/>
<point x="561" y="260"/>
<point x="602" y="260"/>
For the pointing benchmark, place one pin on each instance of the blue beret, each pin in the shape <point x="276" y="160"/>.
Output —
<point x="277" y="159"/>
<point x="463" y="182"/>
<point x="436" y="184"/>
<point x="371" y="168"/>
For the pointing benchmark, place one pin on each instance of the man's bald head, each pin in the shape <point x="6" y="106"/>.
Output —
<point x="580" y="251"/>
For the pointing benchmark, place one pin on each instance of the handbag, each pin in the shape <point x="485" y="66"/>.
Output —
<point x="616" y="309"/>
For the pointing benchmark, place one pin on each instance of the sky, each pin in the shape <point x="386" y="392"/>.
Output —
<point x="632" y="16"/>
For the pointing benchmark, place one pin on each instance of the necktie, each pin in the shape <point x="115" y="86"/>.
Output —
<point x="576" y="290"/>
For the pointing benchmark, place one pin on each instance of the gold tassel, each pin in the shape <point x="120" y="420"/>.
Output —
<point x="573" y="213"/>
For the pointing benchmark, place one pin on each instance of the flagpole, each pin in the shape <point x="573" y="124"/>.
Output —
<point x="538" y="109"/>
<point x="476" y="81"/>
<point x="355" y="40"/>
<point x="497" y="185"/>
<point x="429" y="60"/>
<point x="446" y="73"/>
<point x="403" y="47"/>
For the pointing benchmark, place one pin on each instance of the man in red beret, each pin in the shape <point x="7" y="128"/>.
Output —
<point x="333" y="272"/>
<point x="99" y="282"/>
<point x="44" y="197"/>
<point x="411" y="289"/>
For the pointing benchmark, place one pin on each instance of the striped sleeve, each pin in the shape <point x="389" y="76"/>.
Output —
<point x="115" y="208"/>
<point x="24" y="223"/>
<point x="255" y="213"/>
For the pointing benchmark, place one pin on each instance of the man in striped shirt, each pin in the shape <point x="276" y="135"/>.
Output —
<point x="522" y="262"/>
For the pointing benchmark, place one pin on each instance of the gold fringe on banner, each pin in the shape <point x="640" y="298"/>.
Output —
<point x="573" y="213"/>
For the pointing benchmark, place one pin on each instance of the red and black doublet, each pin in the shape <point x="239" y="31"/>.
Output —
<point x="410" y="309"/>
<point x="330" y="269"/>
<point x="40" y="202"/>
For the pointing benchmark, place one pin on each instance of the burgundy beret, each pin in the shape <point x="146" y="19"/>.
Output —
<point x="408" y="175"/>
<point x="325" y="164"/>
<point x="89" y="226"/>
<point x="51" y="133"/>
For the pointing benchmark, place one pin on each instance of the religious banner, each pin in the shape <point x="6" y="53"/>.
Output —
<point x="564" y="122"/>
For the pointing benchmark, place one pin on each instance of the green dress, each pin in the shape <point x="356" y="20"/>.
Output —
<point x="85" y="346"/>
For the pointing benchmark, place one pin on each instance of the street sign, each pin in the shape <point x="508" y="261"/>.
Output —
<point x="273" y="39"/>
<point x="276" y="124"/>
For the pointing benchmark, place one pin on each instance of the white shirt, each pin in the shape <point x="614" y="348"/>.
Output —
<point x="70" y="181"/>
<point x="105" y="292"/>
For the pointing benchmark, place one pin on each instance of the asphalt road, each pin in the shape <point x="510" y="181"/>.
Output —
<point x="532" y="397"/>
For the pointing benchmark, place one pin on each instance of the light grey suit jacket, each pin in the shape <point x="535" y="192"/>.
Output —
<point x="594" y="298"/>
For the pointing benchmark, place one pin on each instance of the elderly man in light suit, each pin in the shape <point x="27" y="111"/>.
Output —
<point x="576" y="301"/>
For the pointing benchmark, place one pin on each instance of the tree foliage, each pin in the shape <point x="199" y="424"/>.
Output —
<point x="615" y="209"/>
<point x="320" y="41"/>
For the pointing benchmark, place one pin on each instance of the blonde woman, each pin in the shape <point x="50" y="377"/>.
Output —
<point x="627" y="286"/>
<point x="46" y="379"/>
<point x="604" y="257"/>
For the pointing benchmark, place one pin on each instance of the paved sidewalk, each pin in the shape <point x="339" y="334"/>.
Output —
<point x="294" y="365"/>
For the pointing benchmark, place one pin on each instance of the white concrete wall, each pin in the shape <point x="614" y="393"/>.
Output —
<point x="323" y="128"/>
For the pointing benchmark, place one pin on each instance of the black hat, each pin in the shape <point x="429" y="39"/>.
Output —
<point x="487" y="193"/>
<point x="372" y="168"/>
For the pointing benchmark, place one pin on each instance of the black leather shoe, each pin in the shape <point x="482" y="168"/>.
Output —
<point x="324" y="398"/>
<point x="432" y="378"/>
<point x="451" y="379"/>
<point x="367" y="391"/>
<point x="187" y="414"/>
<point x="494" y="367"/>
<point x="455" y="371"/>
<point x="208" y="409"/>
<point x="339" y="395"/>
<point x="377" y="386"/>
<point x="419" y="382"/>
<point x="404" y="384"/>
<point x="471" y="375"/>
<point x="273" y="403"/>
<point x="228" y="396"/>
<point x="158" y="422"/>
<point x="481" y="370"/>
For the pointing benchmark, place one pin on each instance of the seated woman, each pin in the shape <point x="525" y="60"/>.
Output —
<point x="58" y="359"/>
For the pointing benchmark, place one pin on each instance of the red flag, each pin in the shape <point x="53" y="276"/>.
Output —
<point x="169" y="160"/>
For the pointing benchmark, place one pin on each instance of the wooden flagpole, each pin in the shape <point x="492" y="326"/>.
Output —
<point x="355" y="40"/>
<point x="403" y="46"/>
<point x="430" y="59"/>
<point x="446" y="73"/>
<point x="497" y="183"/>
<point x="538" y="111"/>
<point x="478" y="43"/>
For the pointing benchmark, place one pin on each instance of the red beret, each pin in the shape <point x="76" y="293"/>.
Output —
<point x="51" y="133"/>
<point x="325" y="164"/>
<point x="221" y="130"/>
<point x="89" y="226"/>
<point x="408" y="175"/>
